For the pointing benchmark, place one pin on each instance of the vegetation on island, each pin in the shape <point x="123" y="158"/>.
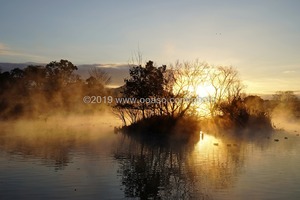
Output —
<point x="168" y="100"/>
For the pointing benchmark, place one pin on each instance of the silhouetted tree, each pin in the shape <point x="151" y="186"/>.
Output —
<point x="227" y="89"/>
<point x="144" y="82"/>
<point x="285" y="96"/>
<point x="254" y="105"/>
<point x="5" y="81"/>
<point x="97" y="81"/>
<point x="59" y="74"/>
<point x="182" y="82"/>
<point x="235" y="111"/>
<point x="35" y="76"/>
<point x="36" y="90"/>
<point x="285" y="102"/>
<point x="17" y="73"/>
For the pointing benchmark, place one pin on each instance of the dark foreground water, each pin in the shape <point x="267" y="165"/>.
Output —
<point x="71" y="158"/>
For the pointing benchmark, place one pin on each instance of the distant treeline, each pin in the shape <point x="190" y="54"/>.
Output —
<point x="41" y="90"/>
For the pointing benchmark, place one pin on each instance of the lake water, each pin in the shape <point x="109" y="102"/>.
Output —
<point x="72" y="158"/>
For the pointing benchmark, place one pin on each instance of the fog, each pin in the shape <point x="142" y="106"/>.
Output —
<point x="53" y="139"/>
<point x="283" y="118"/>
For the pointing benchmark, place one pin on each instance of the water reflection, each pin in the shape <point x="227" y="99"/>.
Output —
<point x="54" y="150"/>
<point x="55" y="143"/>
<point x="151" y="168"/>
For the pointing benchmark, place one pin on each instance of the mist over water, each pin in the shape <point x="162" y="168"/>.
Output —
<point x="54" y="138"/>
<point x="285" y="119"/>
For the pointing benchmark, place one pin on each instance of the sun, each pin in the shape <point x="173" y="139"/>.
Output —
<point x="204" y="90"/>
<point x="201" y="93"/>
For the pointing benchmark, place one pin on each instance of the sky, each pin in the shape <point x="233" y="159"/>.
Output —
<point x="260" y="38"/>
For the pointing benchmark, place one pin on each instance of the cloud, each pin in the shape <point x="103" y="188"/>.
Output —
<point x="6" y="51"/>
<point x="289" y="71"/>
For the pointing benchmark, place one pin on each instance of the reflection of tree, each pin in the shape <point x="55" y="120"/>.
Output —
<point x="172" y="171"/>
<point x="153" y="172"/>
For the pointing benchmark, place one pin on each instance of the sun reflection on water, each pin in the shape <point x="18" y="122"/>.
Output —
<point x="206" y="142"/>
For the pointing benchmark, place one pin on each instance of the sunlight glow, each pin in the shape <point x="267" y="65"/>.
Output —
<point x="206" y="142"/>
<point x="204" y="90"/>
